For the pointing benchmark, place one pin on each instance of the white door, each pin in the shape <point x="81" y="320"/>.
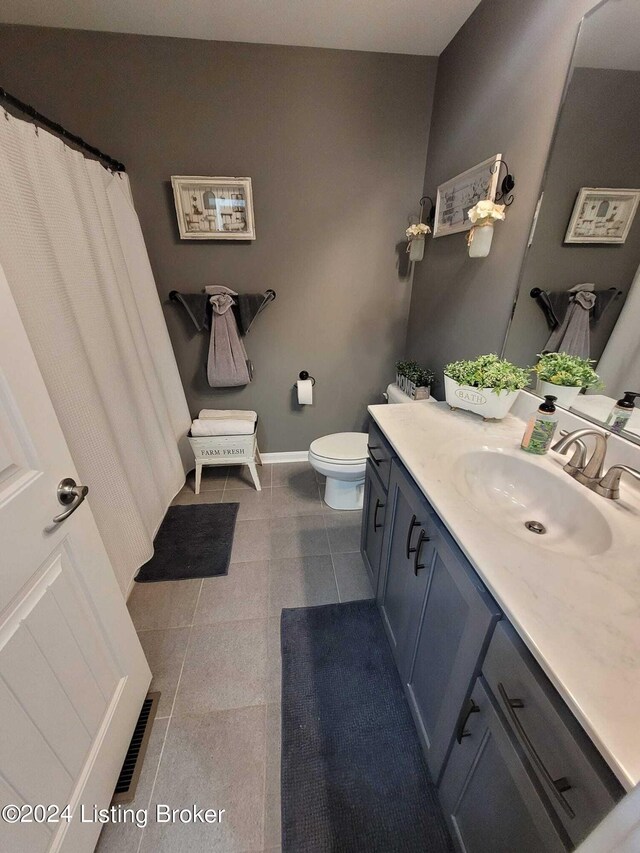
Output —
<point x="72" y="672"/>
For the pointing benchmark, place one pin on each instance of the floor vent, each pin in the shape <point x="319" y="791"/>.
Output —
<point x="128" y="780"/>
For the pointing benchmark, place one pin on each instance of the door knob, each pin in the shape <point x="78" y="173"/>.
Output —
<point x="71" y="496"/>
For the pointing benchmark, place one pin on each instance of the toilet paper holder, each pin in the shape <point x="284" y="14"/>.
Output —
<point x="304" y="374"/>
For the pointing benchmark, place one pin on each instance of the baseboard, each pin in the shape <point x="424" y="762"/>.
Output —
<point x="286" y="456"/>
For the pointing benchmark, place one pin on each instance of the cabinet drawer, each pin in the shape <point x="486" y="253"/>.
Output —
<point x="380" y="453"/>
<point x="580" y="786"/>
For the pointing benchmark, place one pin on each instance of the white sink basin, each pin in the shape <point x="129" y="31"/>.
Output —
<point x="511" y="491"/>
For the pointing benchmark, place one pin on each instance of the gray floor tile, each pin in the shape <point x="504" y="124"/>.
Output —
<point x="217" y="761"/>
<point x="292" y="474"/>
<point x="225" y="667"/>
<point x="272" y="823"/>
<point x="343" y="529"/>
<point x="169" y="604"/>
<point x="274" y="661"/>
<point x="125" y="837"/>
<point x="240" y="477"/>
<point x="302" y="582"/>
<point x="296" y="499"/>
<point x="252" y="541"/>
<point x="242" y="594"/>
<point x="213" y="477"/>
<point x="351" y="575"/>
<point x="253" y="505"/>
<point x="165" y="652"/>
<point x="186" y="497"/>
<point x="301" y="536"/>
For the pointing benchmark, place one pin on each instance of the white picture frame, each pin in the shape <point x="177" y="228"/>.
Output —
<point x="456" y="196"/>
<point x="602" y="215"/>
<point x="213" y="208"/>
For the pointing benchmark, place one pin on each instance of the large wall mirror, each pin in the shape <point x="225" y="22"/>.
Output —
<point x="579" y="289"/>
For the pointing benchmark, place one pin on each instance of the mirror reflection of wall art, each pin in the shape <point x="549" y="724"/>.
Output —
<point x="456" y="197"/>
<point x="602" y="215"/>
<point x="214" y="208"/>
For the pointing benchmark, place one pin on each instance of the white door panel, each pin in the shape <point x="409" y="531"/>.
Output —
<point x="72" y="672"/>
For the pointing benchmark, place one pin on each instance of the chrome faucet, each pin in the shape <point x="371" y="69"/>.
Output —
<point x="590" y="473"/>
<point x="609" y="485"/>
<point x="587" y="473"/>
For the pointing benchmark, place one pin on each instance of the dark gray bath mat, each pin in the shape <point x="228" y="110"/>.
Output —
<point x="192" y="542"/>
<point x="353" y="775"/>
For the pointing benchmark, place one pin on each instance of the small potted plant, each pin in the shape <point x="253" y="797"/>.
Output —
<point x="487" y="385"/>
<point x="483" y="215"/>
<point x="416" y="235"/>
<point x="414" y="380"/>
<point x="565" y="376"/>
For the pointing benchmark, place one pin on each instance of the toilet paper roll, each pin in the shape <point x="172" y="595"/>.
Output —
<point x="305" y="392"/>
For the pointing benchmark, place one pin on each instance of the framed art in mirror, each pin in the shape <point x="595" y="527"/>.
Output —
<point x="602" y="215"/>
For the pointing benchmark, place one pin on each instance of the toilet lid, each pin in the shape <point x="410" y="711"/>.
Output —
<point x="341" y="446"/>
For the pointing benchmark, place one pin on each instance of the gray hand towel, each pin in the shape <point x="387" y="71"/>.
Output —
<point x="249" y="305"/>
<point x="196" y="305"/>
<point x="572" y="336"/>
<point x="227" y="362"/>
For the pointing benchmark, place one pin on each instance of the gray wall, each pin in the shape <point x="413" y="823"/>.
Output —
<point x="596" y="146"/>
<point x="335" y="142"/>
<point x="498" y="88"/>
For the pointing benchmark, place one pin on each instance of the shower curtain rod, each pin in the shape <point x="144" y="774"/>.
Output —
<point x="112" y="164"/>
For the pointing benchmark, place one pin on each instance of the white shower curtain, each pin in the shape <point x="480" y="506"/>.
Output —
<point x="74" y="255"/>
<point x="619" y="364"/>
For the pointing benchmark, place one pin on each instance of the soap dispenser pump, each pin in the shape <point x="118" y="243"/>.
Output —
<point x="541" y="426"/>
<point x="621" y="412"/>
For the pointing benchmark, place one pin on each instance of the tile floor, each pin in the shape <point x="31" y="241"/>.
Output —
<point x="214" y="650"/>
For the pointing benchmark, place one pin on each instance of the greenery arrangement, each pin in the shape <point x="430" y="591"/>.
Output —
<point x="568" y="370"/>
<point x="420" y="376"/>
<point x="488" y="371"/>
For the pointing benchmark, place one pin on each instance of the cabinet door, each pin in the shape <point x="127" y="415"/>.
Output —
<point x="406" y="552"/>
<point x="489" y="796"/>
<point x="373" y="515"/>
<point x="457" y="620"/>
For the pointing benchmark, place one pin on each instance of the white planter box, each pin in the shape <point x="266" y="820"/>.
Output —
<point x="566" y="395"/>
<point x="482" y="401"/>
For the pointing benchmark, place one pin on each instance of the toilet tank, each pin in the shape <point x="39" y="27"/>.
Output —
<point x="393" y="394"/>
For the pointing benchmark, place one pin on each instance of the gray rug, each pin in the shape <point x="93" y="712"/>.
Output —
<point x="353" y="775"/>
<point x="192" y="542"/>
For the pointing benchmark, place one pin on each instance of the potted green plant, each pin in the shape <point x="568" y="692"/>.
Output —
<point x="413" y="379"/>
<point x="565" y="376"/>
<point x="487" y="385"/>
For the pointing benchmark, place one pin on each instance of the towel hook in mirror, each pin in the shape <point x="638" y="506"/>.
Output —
<point x="429" y="218"/>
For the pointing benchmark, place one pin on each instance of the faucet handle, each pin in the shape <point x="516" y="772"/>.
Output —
<point x="609" y="485"/>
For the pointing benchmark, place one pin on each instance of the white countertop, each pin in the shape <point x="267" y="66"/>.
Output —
<point x="579" y="616"/>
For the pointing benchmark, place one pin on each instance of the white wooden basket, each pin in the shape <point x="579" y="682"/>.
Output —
<point x="226" y="450"/>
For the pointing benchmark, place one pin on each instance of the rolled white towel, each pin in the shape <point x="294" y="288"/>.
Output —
<point x="228" y="414"/>
<point x="225" y="426"/>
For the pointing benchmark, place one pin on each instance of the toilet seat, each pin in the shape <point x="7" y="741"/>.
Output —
<point x="341" y="448"/>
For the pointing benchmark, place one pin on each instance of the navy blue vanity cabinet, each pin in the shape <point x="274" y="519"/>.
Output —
<point x="380" y="453"/>
<point x="373" y="515"/>
<point x="490" y="798"/>
<point x="457" y="619"/>
<point x="407" y="554"/>
<point x="575" y="778"/>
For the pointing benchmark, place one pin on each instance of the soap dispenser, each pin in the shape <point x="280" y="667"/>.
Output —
<point x="621" y="412"/>
<point x="541" y="426"/>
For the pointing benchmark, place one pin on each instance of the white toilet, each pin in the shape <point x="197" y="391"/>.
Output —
<point x="342" y="458"/>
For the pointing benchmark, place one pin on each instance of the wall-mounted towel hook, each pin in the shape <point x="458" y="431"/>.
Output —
<point x="535" y="292"/>
<point x="504" y="193"/>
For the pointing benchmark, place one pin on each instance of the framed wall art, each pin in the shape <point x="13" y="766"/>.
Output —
<point x="214" y="208"/>
<point x="602" y="215"/>
<point x="457" y="196"/>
